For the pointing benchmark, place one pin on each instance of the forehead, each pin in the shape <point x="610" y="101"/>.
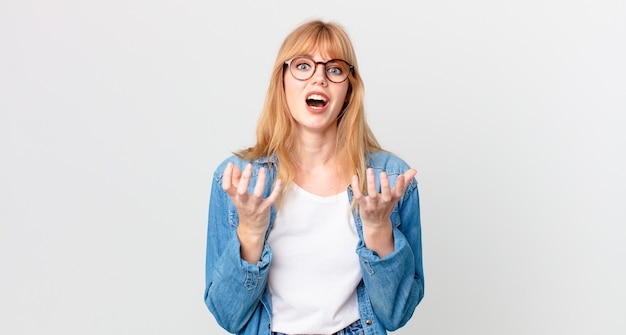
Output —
<point x="318" y="56"/>
<point x="321" y="47"/>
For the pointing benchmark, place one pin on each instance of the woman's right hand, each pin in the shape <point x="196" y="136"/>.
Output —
<point x="253" y="210"/>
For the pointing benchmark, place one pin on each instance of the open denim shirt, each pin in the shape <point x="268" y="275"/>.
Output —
<point x="236" y="291"/>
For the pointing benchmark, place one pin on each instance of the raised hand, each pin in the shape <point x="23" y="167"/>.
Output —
<point x="253" y="210"/>
<point x="375" y="208"/>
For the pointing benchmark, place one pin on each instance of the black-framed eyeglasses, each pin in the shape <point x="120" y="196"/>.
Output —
<point x="303" y="68"/>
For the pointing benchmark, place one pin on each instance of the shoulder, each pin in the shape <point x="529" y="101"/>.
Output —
<point x="387" y="161"/>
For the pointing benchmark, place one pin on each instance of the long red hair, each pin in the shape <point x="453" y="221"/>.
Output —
<point x="275" y="127"/>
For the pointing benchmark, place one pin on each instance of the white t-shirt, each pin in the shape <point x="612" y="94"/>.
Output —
<point x="314" y="270"/>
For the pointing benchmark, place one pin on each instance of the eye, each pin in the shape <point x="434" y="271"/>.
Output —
<point x="334" y="69"/>
<point x="302" y="65"/>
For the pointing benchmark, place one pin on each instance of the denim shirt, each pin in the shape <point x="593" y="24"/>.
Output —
<point x="236" y="291"/>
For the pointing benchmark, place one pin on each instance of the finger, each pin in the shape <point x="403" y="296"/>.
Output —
<point x="398" y="190"/>
<point x="385" y="189"/>
<point x="410" y="174"/>
<point x="356" y="189"/>
<point x="403" y="181"/>
<point x="227" y="178"/>
<point x="260" y="183"/>
<point x="278" y="188"/>
<point x="236" y="176"/>
<point x="242" y="188"/>
<point x="371" y="183"/>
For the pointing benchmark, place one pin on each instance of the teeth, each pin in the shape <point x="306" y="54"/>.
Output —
<point x="316" y="97"/>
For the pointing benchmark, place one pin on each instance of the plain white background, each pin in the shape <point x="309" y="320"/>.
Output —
<point x="114" y="115"/>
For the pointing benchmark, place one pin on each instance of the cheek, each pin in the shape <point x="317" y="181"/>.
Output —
<point x="343" y="92"/>
<point x="293" y="88"/>
<point x="290" y="93"/>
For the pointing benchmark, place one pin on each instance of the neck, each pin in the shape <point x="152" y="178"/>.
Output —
<point x="315" y="150"/>
<point x="319" y="170"/>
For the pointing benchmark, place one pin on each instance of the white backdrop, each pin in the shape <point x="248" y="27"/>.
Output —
<point x="115" y="113"/>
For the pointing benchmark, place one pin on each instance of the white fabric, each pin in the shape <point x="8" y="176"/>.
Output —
<point x="314" y="270"/>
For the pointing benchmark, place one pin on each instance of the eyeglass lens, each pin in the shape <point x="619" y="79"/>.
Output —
<point x="303" y="68"/>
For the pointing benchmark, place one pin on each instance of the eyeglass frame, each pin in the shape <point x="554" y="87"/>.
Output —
<point x="350" y="68"/>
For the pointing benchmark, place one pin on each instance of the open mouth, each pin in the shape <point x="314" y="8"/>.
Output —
<point x="316" y="101"/>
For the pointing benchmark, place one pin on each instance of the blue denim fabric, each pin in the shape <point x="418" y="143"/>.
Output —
<point x="356" y="328"/>
<point x="236" y="291"/>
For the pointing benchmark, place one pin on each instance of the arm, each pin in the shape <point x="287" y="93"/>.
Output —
<point x="234" y="286"/>
<point x="395" y="282"/>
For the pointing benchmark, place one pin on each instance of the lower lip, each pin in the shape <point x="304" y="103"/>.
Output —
<point x="317" y="110"/>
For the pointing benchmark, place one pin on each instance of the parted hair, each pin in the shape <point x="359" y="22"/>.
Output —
<point x="275" y="128"/>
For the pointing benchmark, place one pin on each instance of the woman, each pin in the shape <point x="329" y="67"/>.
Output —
<point x="315" y="229"/>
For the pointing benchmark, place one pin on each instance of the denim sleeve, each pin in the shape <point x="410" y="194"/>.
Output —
<point x="395" y="283"/>
<point x="233" y="286"/>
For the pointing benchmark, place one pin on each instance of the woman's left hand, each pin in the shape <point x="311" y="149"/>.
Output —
<point x="375" y="208"/>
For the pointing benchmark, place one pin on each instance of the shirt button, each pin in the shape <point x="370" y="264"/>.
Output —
<point x="368" y="322"/>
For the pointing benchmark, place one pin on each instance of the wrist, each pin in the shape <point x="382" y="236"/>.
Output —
<point x="379" y="238"/>
<point x="251" y="245"/>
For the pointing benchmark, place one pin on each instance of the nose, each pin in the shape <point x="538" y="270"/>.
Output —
<point x="320" y="76"/>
